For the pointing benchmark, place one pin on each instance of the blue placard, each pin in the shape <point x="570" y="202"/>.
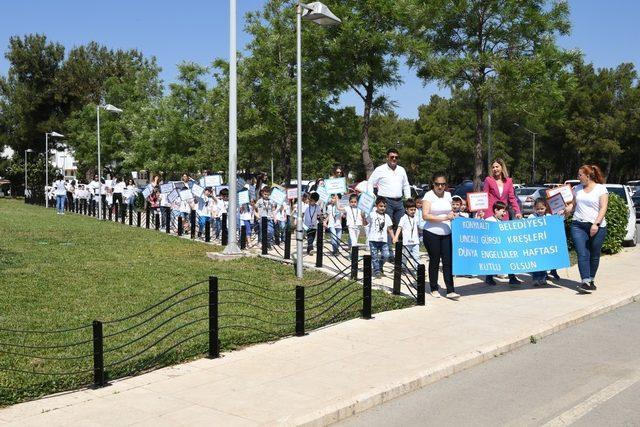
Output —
<point x="504" y="247"/>
<point x="366" y="202"/>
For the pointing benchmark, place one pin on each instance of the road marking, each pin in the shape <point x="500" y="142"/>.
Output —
<point x="574" y="414"/>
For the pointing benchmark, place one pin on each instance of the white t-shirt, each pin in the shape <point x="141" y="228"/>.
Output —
<point x="588" y="204"/>
<point x="440" y="207"/>
<point x="378" y="226"/>
<point x="334" y="217"/>
<point x="410" y="235"/>
<point x="246" y="214"/>
<point x="354" y="216"/>
<point x="60" y="188"/>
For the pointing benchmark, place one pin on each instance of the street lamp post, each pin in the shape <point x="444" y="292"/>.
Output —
<point x="29" y="150"/>
<point x="46" y="161"/>
<point x="232" y="244"/>
<point x="533" y="152"/>
<point x="321" y="15"/>
<point x="111" y="109"/>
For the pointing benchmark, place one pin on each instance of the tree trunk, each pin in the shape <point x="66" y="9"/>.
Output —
<point x="285" y="157"/>
<point x="366" y="122"/>
<point x="477" y="151"/>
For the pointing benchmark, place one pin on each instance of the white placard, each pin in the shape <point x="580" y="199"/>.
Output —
<point x="335" y="185"/>
<point x="197" y="190"/>
<point x="324" y="194"/>
<point x="292" y="193"/>
<point x="147" y="191"/>
<point x="213" y="180"/>
<point x="565" y="190"/>
<point x="186" y="195"/>
<point x="243" y="197"/>
<point x="477" y="201"/>
<point x="166" y="188"/>
<point x="556" y="203"/>
<point x="173" y="196"/>
<point x="278" y="196"/>
<point x="178" y="185"/>
<point x="366" y="202"/>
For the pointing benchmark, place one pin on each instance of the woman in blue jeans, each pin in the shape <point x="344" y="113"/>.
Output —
<point x="589" y="226"/>
<point x="60" y="189"/>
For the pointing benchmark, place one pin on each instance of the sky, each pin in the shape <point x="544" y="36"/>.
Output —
<point x="198" y="30"/>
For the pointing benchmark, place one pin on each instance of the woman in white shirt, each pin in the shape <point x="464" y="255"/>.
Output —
<point x="437" y="213"/>
<point x="589" y="227"/>
<point x="60" y="190"/>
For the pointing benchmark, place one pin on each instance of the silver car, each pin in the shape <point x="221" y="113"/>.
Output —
<point x="527" y="197"/>
<point x="631" y="237"/>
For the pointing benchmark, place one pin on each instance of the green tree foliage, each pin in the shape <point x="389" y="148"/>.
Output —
<point x="617" y="218"/>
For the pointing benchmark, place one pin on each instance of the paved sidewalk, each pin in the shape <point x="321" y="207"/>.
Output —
<point x="347" y="368"/>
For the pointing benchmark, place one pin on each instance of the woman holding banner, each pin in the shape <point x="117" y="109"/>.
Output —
<point x="499" y="187"/>
<point x="589" y="226"/>
<point x="437" y="212"/>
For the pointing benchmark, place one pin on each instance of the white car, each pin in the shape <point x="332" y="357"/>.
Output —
<point x="631" y="238"/>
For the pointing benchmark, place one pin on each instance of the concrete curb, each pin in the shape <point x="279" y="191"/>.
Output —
<point x="452" y="365"/>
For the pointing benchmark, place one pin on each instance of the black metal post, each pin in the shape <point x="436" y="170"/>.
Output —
<point x="207" y="230"/>
<point x="98" y="355"/>
<point x="214" y="343"/>
<point x="167" y="220"/>
<point x="366" y="287"/>
<point x="139" y="218"/>
<point x="276" y="232"/>
<point x="116" y="209"/>
<point x="354" y="262"/>
<point x="299" y="310"/>
<point x="104" y="211"/>
<point x="264" y="236"/>
<point x="192" y="218"/>
<point x="397" y="269"/>
<point x="319" y="242"/>
<point x="123" y="210"/>
<point x="130" y="215"/>
<point x="148" y="216"/>
<point x="110" y="213"/>
<point x="180" y="225"/>
<point x="243" y="237"/>
<point x="421" y="284"/>
<point x="225" y="231"/>
<point x="287" y="238"/>
<point x="157" y="221"/>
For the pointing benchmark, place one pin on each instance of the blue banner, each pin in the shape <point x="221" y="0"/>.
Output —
<point x="522" y="246"/>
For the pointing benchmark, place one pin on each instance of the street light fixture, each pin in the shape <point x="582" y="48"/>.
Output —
<point x="28" y="150"/>
<point x="533" y="151"/>
<point x="46" y="162"/>
<point x="112" y="109"/>
<point x="320" y="14"/>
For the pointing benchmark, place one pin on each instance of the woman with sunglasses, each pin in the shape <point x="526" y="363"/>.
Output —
<point x="437" y="213"/>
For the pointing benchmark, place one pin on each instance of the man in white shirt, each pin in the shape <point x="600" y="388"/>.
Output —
<point x="392" y="182"/>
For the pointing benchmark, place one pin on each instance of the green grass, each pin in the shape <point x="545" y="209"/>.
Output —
<point x="59" y="272"/>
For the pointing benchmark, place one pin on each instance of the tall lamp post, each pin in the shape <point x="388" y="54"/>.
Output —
<point x="29" y="150"/>
<point x="320" y="14"/>
<point x="533" y="151"/>
<point x="112" y="109"/>
<point x="232" y="244"/>
<point x="46" y="160"/>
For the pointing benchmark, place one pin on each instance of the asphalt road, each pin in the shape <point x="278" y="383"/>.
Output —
<point x="586" y="375"/>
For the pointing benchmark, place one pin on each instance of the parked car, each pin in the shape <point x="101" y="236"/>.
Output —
<point x="635" y="184"/>
<point x="636" y="203"/>
<point x="631" y="238"/>
<point x="527" y="197"/>
<point x="572" y="182"/>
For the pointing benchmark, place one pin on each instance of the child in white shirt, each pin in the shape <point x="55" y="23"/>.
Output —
<point x="310" y="220"/>
<point x="354" y="220"/>
<point x="540" y="277"/>
<point x="499" y="214"/>
<point x="333" y="221"/>
<point x="408" y="226"/>
<point x="379" y="227"/>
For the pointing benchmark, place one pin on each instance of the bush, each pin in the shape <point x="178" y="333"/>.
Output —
<point x="617" y="219"/>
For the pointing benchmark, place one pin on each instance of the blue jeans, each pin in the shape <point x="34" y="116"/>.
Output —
<point x="60" y="200"/>
<point x="336" y="235"/>
<point x="217" y="227"/>
<point x="202" y="220"/>
<point x="588" y="248"/>
<point x="411" y="257"/>
<point x="379" y="254"/>
<point x="247" y="227"/>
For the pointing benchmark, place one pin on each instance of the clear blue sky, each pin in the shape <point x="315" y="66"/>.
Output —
<point x="197" y="30"/>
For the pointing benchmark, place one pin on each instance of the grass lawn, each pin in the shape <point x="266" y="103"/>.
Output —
<point x="61" y="272"/>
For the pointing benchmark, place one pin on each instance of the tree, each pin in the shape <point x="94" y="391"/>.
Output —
<point x="474" y="43"/>
<point x="28" y="102"/>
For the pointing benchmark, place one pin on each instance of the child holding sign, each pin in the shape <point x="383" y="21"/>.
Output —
<point x="379" y="225"/>
<point x="499" y="214"/>
<point x="540" y="277"/>
<point x="408" y="226"/>
<point x="265" y="208"/>
<point x="333" y="221"/>
<point x="310" y="219"/>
